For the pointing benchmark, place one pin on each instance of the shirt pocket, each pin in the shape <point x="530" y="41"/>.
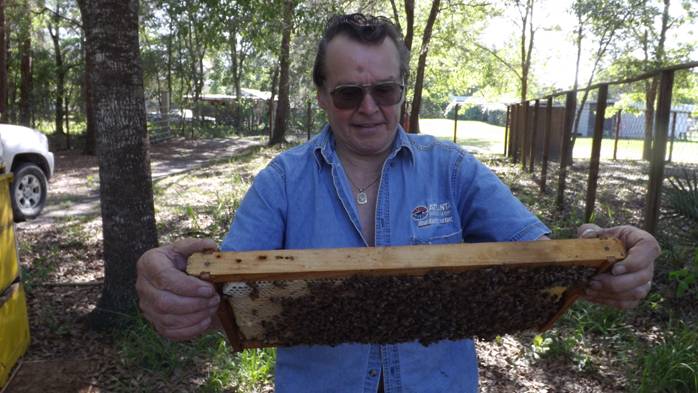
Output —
<point x="437" y="235"/>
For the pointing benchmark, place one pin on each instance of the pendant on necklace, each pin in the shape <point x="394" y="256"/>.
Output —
<point x="361" y="198"/>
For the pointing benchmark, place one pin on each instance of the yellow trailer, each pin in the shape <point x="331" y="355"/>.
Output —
<point x="14" y="324"/>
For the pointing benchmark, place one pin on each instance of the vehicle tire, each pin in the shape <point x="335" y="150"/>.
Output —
<point x="28" y="192"/>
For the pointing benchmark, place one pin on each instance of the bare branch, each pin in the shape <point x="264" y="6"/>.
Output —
<point x="396" y="15"/>
<point x="499" y="58"/>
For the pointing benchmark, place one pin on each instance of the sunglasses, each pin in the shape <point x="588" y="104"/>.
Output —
<point x="351" y="96"/>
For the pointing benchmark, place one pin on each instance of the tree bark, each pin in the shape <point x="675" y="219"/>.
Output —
<point x="283" y="106"/>
<point x="60" y="70"/>
<point x="25" y="85"/>
<point x="90" y="147"/>
<point x="236" y="72"/>
<point x="651" y="87"/>
<point x="3" y="66"/>
<point x="272" y="97"/>
<point x="527" y="20"/>
<point x="409" y="34"/>
<point x="421" y="65"/>
<point x="128" y="218"/>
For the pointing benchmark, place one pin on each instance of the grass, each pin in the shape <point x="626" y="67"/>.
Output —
<point x="202" y="203"/>
<point x="481" y="136"/>
<point x="672" y="365"/>
<point x="140" y="347"/>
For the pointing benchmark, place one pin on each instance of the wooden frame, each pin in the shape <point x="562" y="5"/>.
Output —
<point x="221" y="267"/>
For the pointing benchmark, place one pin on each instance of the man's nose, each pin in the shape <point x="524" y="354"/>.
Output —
<point x="368" y="104"/>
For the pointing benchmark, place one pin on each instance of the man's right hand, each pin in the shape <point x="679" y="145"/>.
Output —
<point x="179" y="306"/>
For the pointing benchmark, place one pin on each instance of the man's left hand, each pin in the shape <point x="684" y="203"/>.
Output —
<point x="629" y="281"/>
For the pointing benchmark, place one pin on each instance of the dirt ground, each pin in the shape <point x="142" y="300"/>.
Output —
<point x="65" y="356"/>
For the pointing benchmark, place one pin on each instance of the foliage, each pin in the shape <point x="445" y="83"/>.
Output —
<point x="681" y="200"/>
<point x="583" y="323"/>
<point x="681" y="204"/>
<point x="200" y="47"/>
<point x="686" y="278"/>
<point x="672" y="365"/>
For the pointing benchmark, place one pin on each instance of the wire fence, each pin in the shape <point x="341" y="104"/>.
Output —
<point x="540" y="130"/>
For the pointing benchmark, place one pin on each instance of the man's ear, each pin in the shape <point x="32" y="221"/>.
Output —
<point x="323" y="98"/>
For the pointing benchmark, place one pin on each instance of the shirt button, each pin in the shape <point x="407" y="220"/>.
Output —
<point x="373" y="373"/>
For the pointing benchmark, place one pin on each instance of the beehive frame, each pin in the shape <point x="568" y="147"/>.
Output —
<point x="253" y="266"/>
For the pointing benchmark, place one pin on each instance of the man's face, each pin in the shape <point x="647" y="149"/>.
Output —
<point x="369" y="129"/>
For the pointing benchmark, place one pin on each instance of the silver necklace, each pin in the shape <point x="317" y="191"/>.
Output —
<point x="361" y="197"/>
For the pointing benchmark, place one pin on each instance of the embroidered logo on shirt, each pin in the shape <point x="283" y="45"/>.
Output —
<point x="432" y="214"/>
<point x="420" y="213"/>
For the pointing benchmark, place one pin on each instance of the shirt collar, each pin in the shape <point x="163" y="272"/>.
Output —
<point x="324" y="146"/>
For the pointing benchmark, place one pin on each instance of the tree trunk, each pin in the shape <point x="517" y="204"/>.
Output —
<point x="651" y="88"/>
<point x="67" y="120"/>
<point x="128" y="218"/>
<point x="421" y="65"/>
<point x="283" y="106"/>
<point x="650" y="97"/>
<point x="272" y="96"/>
<point x="234" y="60"/>
<point x="25" y="86"/>
<point x="60" y="71"/>
<point x="90" y="136"/>
<point x="409" y="34"/>
<point x="527" y="20"/>
<point x="3" y="66"/>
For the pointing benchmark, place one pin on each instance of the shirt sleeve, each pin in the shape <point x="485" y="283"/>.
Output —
<point x="261" y="218"/>
<point x="488" y="210"/>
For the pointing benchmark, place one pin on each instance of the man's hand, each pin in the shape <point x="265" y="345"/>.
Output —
<point x="179" y="306"/>
<point x="629" y="280"/>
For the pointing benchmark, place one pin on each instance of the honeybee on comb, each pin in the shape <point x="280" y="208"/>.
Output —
<point x="399" y="294"/>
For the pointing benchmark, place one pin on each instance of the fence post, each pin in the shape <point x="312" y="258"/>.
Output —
<point x="455" y="123"/>
<point x="596" y="151"/>
<point x="532" y="146"/>
<point x="615" y="144"/>
<point x="546" y="143"/>
<point x="570" y="108"/>
<point x="506" y="132"/>
<point x="673" y="132"/>
<point x="524" y="135"/>
<point x="661" y="126"/>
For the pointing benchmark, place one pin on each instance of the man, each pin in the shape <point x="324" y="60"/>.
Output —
<point x="361" y="183"/>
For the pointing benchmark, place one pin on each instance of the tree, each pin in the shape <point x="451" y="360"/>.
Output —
<point x="90" y="121"/>
<point x="128" y="218"/>
<point x="526" y="14"/>
<point x="408" y="36"/>
<point x="526" y="40"/>
<point x="604" y="19"/>
<point x="3" y="65"/>
<point x="283" y="106"/>
<point x="645" y="49"/>
<point x="419" y="79"/>
<point x="651" y="85"/>
<point x="54" y="29"/>
<point x="25" y="87"/>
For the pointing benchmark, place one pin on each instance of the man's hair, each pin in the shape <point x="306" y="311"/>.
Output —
<point x="366" y="29"/>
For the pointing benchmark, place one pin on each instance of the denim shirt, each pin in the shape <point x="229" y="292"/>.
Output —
<point x="430" y="192"/>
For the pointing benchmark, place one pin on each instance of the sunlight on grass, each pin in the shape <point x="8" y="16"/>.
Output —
<point x="474" y="135"/>
<point x="631" y="149"/>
